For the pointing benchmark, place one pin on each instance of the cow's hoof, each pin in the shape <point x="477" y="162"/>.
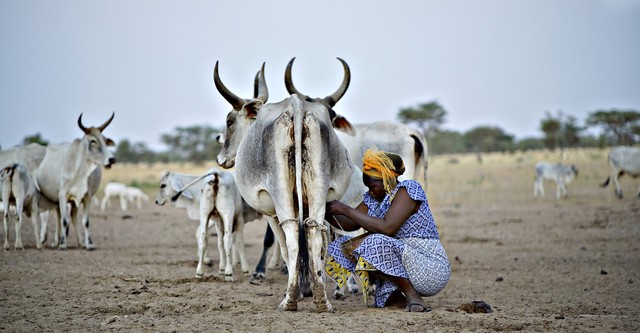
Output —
<point x="228" y="278"/>
<point x="338" y="295"/>
<point x="199" y="275"/>
<point x="257" y="276"/>
<point x="19" y="248"/>
<point x="284" y="306"/>
<point x="91" y="247"/>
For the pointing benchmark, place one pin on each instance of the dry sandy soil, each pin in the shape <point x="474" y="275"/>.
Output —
<point x="571" y="265"/>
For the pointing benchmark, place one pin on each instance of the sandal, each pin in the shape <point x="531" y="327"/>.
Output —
<point x="424" y="308"/>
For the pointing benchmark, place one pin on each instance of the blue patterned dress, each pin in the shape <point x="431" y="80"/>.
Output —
<point x="415" y="252"/>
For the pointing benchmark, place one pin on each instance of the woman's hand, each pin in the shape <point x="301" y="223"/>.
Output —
<point x="335" y="207"/>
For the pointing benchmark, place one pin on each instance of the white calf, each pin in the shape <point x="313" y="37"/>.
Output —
<point x="18" y="189"/>
<point x="561" y="174"/>
<point x="221" y="202"/>
<point x="114" y="189"/>
<point x="134" y="194"/>
<point x="186" y="191"/>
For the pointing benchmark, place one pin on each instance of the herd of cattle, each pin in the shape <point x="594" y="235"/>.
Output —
<point x="288" y="158"/>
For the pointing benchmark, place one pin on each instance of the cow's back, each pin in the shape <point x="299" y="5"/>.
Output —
<point x="626" y="159"/>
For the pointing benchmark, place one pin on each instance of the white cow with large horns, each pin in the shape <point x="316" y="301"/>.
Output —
<point x="64" y="175"/>
<point x="289" y="162"/>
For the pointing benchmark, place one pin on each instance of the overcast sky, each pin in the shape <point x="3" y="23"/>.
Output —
<point x="488" y="62"/>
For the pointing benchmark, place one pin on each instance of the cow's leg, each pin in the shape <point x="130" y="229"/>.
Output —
<point x="56" y="230"/>
<point x="123" y="202"/>
<point x="222" y="259"/>
<point x="5" y="220"/>
<point x="104" y="202"/>
<point x="291" y="229"/>
<point x="226" y="221"/>
<point x="537" y="188"/>
<point x="88" y="242"/>
<point x="205" y="260"/>
<point x="64" y="220"/>
<point x="34" y="222"/>
<point x="616" y="182"/>
<point x="44" y="221"/>
<point x="202" y="234"/>
<point x="20" y="214"/>
<point x="267" y="242"/>
<point x="275" y="258"/>
<point x="238" y="245"/>
<point x="316" y="239"/>
<point x="638" y="192"/>
<point x="73" y="209"/>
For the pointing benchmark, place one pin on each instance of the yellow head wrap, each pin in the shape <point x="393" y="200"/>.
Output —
<point x="380" y="165"/>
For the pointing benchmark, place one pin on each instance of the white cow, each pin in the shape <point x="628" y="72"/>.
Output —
<point x="401" y="139"/>
<point x="289" y="160"/>
<point x="18" y="189"/>
<point x="124" y="193"/>
<point x="623" y="160"/>
<point x="136" y="195"/>
<point x="174" y="190"/>
<point x="221" y="202"/>
<point x="114" y="189"/>
<point x="560" y="173"/>
<point x="34" y="204"/>
<point x="63" y="176"/>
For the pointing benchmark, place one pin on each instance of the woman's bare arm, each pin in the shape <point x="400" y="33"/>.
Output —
<point x="401" y="209"/>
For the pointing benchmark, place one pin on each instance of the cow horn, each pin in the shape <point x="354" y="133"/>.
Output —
<point x="260" y="90"/>
<point x="331" y="99"/>
<point x="291" y="89"/>
<point x="106" y="123"/>
<point x="234" y="100"/>
<point x="84" y="129"/>
<point x="336" y="96"/>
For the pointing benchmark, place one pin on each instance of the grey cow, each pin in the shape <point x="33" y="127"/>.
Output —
<point x="560" y="173"/>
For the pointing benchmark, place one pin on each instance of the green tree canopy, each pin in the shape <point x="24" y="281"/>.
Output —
<point x="195" y="143"/>
<point x="428" y="117"/>
<point x="622" y="127"/>
<point x="35" y="138"/>
<point x="488" y="139"/>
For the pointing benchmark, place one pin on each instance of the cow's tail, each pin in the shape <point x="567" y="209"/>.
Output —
<point x="8" y="171"/>
<point x="184" y="188"/>
<point x="303" y="254"/>
<point x="610" y="162"/>
<point x="420" y="153"/>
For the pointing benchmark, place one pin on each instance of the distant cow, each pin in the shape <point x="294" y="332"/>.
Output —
<point x="125" y="193"/>
<point x="623" y="160"/>
<point x="560" y="173"/>
<point x="114" y="189"/>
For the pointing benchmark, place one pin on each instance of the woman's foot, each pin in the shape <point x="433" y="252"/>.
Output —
<point x="417" y="307"/>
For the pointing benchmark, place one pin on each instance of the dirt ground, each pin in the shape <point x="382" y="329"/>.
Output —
<point x="543" y="265"/>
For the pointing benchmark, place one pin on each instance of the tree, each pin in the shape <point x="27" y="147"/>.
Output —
<point x="561" y="131"/>
<point x="622" y="127"/>
<point x="35" y="138"/>
<point x="195" y="143"/>
<point x="446" y="142"/>
<point x="488" y="139"/>
<point x="551" y="128"/>
<point x="427" y="116"/>
<point x="138" y="152"/>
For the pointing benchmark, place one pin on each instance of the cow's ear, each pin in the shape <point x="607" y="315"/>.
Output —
<point x="342" y="124"/>
<point x="109" y="142"/>
<point x="252" y="108"/>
